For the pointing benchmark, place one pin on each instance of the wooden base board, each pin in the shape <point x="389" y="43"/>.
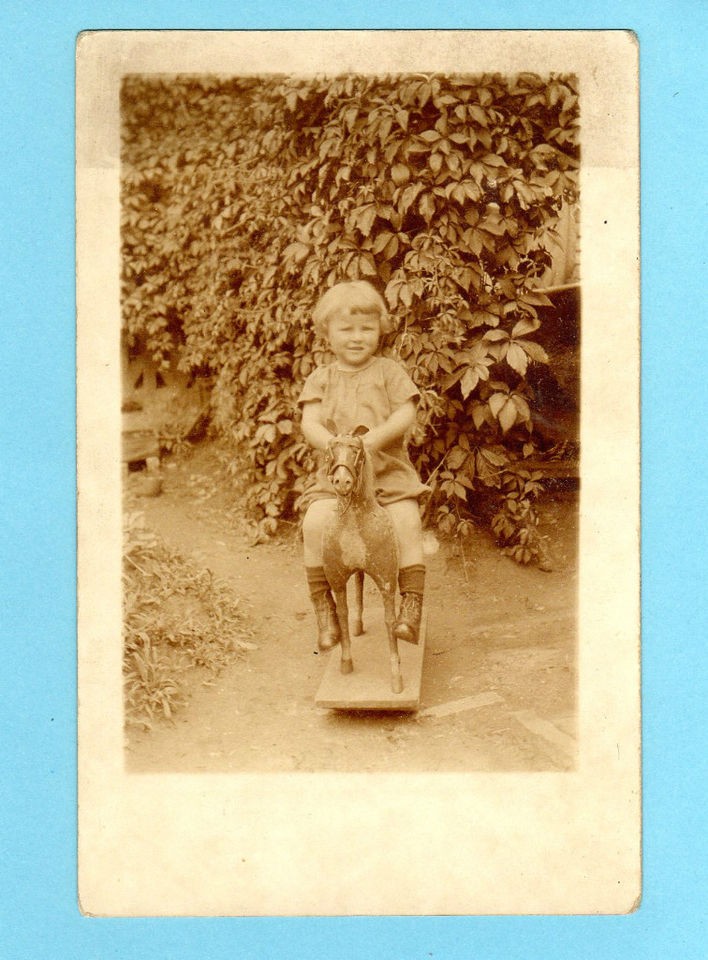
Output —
<point x="368" y="687"/>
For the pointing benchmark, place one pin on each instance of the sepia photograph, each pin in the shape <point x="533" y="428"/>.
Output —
<point x="358" y="470"/>
<point x="395" y="253"/>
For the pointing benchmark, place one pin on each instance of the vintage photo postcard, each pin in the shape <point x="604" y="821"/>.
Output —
<point x="358" y="473"/>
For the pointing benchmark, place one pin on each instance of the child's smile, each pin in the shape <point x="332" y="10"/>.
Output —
<point x="354" y="339"/>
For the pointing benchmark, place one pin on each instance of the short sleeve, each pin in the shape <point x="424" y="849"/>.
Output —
<point x="314" y="386"/>
<point x="399" y="386"/>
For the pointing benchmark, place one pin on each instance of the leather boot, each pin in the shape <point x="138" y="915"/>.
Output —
<point x="408" y="623"/>
<point x="328" y="633"/>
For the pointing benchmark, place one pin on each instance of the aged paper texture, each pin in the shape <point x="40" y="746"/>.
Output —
<point x="324" y="843"/>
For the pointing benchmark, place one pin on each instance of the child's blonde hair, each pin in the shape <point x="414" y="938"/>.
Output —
<point x="351" y="296"/>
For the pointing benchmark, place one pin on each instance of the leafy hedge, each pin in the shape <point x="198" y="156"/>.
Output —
<point x="245" y="198"/>
<point x="178" y="620"/>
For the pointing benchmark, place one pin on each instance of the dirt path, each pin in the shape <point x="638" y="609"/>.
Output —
<point x="501" y="639"/>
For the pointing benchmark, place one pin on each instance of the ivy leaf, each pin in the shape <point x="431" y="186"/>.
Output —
<point x="390" y="150"/>
<point x="524" y="326"/>
<point x="408" y="196"/>
<point x="435" y="162"/>
<point x="522" y="407"/>
<point x="456" y="458"/>
<point x="554" y="93"/>
<point x="400" y="174"/>
<point x="297" y="252"/>
<point x="492" y="335"/>
<point x="507" y="415"/>
<point x="496" y="456"/>
<point x="350" y="115"/>
<point x="466" y="481"/>
<point x="535" y="299"/>
<point x="392" y="291"/>
<point x="525" y="194"/>
<point x="456" y="191"/>
<point x="367" y="265"/>
<point x="486" y="469"/>
<point x="381" y="241"/>
<point x="427" y="206"/>
<point x="406" y="295"/>
<point x="485" y="138"/>
<point x="485" y="96"/>
<point x="465" y="277"/>
<point x="425" y="91"/>
<point x="459" y="490"/>
<point x="452" y="378"/>
<point x="479" y="414"/>
<point x="469" y="382"/>
<point x="343" y="173"/>
<point x="484" y="317"/>
<point x="473" y="240"/>
<point x="478" y="114"/>
<point x="472" y="190"/>
<point x="517" y="358"/>
<point x="391" y="247"/>
<point x="364" y="218"/>
<point x="493" y="224"/>
<point x="534" y="350"/>
<point x="496" y="402"/>
<point x="385" y="128"/>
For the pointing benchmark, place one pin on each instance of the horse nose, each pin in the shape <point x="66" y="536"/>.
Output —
<point x="342" y="482"/>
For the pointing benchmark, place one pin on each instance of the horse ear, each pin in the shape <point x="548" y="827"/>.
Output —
<point x="331" y="426"/>
<point x="360" y="430"/>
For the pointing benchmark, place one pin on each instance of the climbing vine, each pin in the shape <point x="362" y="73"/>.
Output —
<point x="243" y="199"/>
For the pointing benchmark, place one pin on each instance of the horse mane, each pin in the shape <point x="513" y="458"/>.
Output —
<point x="366" y="483"/>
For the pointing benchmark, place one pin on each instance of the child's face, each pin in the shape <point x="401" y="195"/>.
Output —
<point x="354" y="338"/>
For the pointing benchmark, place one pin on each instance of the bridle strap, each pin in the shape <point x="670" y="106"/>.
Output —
<point x="356" y="473"/>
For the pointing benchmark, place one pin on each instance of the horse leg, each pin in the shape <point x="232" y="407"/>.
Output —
<point x="340" y="597"/>
<point x="358" y="625"/>
<point x="390" y="618"/>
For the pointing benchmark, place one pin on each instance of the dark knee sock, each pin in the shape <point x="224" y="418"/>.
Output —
<point x="316" y="580"/>
<point x="412" y="579"/>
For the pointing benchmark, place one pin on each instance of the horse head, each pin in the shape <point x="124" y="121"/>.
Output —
<point x="345" y="460"/>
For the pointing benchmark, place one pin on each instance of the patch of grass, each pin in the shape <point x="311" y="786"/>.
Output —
<point x="177" y="619"/>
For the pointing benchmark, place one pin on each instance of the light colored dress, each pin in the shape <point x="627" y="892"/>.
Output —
<point x="365" y="397"/>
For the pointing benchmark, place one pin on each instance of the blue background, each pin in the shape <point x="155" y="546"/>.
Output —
<point x="38" y="912"/>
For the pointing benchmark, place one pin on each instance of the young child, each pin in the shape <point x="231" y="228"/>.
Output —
<point x="362" y="389"/>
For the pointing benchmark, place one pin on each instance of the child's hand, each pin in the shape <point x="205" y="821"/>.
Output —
<point x="315" y="432"/>
<point x="397" y="425"/>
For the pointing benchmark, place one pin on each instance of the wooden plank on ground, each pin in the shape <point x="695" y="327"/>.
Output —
<point x="464" y="703"/>
<point x="368" y="687"/>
